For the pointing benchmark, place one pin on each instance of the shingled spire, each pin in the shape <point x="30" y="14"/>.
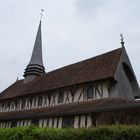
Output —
<point x="35" y="66"/>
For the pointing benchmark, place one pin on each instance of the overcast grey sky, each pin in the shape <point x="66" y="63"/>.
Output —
<point x="72" y="30"/>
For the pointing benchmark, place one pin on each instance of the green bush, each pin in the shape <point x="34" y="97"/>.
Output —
<point x="119" y="132"/>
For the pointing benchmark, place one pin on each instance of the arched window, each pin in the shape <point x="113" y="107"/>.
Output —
<point x="40" y="100"/>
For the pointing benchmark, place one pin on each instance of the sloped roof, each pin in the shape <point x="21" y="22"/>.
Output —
<point x="84" y="107"/>
<point x="97" y="68"/>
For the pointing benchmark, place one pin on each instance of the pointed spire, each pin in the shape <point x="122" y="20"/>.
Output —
<point x="35" y="66"/>
<point x="37" y="51"/>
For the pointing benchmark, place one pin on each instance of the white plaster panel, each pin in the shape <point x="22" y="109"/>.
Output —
<point x="82" y="123"/>
<point x="50" y="122"/>
<point x="76" y="120"/>
<point x="77" y="94"/>
<point x="89" y="121"/>
<point x="40" y="122"/>
<point x="55" y="122"/>
<point x="45" y="123"/>
<point x="105" y="91"/>
<point x="60" y="122"/>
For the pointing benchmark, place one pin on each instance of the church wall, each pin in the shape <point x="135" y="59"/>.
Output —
<point x="67" y="97"/>
<point x="123" y="88"/>
<point x="84" y="120"/>
<point x="99" y="90"/>
<point x="78" y="95"/>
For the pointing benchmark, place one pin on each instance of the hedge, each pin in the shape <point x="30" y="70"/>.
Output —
<point x="99" y="133"/>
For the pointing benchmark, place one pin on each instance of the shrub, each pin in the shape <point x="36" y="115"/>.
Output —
<point x="119" y="132"/>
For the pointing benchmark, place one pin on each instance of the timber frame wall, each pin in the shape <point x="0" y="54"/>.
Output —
<point x="85" y="92"/>
<point x="78" y="121"/>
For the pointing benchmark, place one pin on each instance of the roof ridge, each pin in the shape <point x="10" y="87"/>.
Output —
<point x="119" y="60"/>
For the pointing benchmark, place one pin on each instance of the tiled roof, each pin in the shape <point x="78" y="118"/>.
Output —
<point x="84" y="107"/>
<point x="97" y="68"/>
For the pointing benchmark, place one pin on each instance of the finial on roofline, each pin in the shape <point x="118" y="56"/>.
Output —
<point x="41" y="14"/>
<point x="122" y="41"/>
<point x="17" y="78"/>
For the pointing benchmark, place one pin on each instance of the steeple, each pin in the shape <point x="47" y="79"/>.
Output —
<point x="35" y="66"/>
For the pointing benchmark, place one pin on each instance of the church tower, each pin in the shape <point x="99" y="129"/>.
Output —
<point x="35" y="67"/>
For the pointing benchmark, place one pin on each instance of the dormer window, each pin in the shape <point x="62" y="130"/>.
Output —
<point x="60" y="97"/>
<point x="90" y="92"/>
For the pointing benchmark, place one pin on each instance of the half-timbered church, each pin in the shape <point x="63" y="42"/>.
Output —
<point x="96" y="91"/>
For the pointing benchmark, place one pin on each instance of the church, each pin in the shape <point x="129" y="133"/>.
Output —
<point x="102" y="90"/>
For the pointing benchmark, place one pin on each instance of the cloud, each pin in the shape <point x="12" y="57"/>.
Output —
<point x="72" y="30"/>
<point x="89" y="5"/>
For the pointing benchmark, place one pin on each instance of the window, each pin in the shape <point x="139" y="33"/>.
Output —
<point x="16" y="104"/>
<point x="60" y="97"/>
<point x="23" y="104"/>
<point x="8" y="105"/>
<point x="40" y="99"/>
<point x="90" y="92"/>
<point x="2" y="105"/>
<point x="30" y="100"/>
<point x="23" y="123"/>
<point x="35" y="122"/>
<point x="68" y="122"/>
<point x="14" y="124"/>
<point x="93" y="119"/>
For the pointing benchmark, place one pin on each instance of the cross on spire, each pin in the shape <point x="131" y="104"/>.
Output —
<point x="122" y="40"/>
<point x="41" y="14"/>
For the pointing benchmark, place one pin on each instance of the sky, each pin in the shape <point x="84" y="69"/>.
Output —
<point x="72" y="30"/>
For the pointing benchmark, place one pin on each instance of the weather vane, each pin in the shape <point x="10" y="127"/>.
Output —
<point x="122" y="41"/>
<point x="41" y="14"/>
